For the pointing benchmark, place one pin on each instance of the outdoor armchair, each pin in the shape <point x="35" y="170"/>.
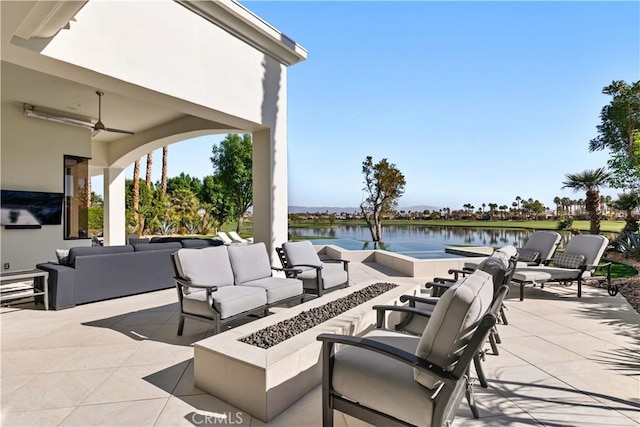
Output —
<point x="318" y="276"/>
<point x="392" y="378"/>
<point x="577" y="263"/>
<point x="237" y="239"/>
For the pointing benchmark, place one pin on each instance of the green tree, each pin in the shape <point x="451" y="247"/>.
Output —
<point x="183" y="182"/>
<point x="589" y="181"/>
<point x="214" y="201"/>
<point x="384" y="185"/>
<point x="627" y="202"/>
<point x="233" y="163"/>
<point x="619" y="132"/>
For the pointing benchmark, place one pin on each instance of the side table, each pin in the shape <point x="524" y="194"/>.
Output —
<point x="12" y="285"/>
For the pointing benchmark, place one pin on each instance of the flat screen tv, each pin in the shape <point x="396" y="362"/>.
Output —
<point x="30" y="208"/>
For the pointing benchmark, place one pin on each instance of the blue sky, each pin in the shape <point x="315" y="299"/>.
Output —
<point x="475" y="102"/>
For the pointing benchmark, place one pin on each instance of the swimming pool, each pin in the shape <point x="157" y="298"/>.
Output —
<point x="419" y="250"/>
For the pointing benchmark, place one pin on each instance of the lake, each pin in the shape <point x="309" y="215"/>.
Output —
<point x="418" y="241"/>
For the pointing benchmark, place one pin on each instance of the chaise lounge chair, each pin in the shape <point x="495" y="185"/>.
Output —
<point x="538" y="249"/>
<point x="391" y="378"/>
<point x="578" y="262"/>
<point x="225" y="238"/>
<point x="237" y="239"/>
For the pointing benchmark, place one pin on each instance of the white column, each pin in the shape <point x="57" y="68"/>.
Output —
<point x="114" y="207"/>
<point x="270" y="190"/>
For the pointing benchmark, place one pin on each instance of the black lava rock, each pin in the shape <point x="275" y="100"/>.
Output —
<point x="281" y="331"/>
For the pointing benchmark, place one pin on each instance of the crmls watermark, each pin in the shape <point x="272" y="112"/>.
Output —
<point x="219" y="418"/>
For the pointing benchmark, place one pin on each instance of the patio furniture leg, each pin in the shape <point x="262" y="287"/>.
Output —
<point x="482" y="379"/>
<point x="494" y="345"/>
<point x="579" y="288"/>
<point x="521" y="291"/>
<point x="180" y="325"/>
<point x="471" y="399"/>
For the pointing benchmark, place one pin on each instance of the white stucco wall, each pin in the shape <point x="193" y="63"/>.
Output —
<point x="32" y="159"/>
<point x="162" y="46"/>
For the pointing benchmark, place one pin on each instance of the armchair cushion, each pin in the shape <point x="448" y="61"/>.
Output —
<point x="381" y="382"/>
<point x="249" y="262"/>
<point x="331" y="276"/>
<point x="207" y="266"/>
<point x="527" y="255"/>
<point x="299" y="253"/>
<point x="453" y="318"/>
<point x="508" y="250"/>
<point x="565" y="260"/>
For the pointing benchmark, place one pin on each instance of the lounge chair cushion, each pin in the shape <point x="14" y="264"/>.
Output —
<point x="227" y="300"/>
<point x="303" y="252"/>
<point x="249" y="262"/>
<point x="454" y="318"/>
<point x="206" y="266"/>
<point x="277" y="288"/>
<point x="381" y="382"/>
<point x="565" y="260"/>
<point x="545" y="274"/>
<point x="544" y="242"/>
<point x="527" y="255"/>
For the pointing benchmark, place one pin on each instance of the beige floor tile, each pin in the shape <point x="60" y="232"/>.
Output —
<point x="202" y="409"/>
<point x="44" y="417"/>
<point x="33" y="361"/>
<point x="95" y="357"/>
<point x="153" y="352"/>
<point x="126" y="414"/>
<point x="512" y="420"/>
<point x="185" y="386"/>
<point x="9" y="383"/>
<point x="54" y="390"/>
<point x="137" y="382"/>
<point x="17" y="341"/>
<point x="537" y="350"/>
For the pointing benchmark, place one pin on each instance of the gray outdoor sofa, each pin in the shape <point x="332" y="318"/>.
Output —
<point x="226" y="283"/>
<point x="95" y="273"/>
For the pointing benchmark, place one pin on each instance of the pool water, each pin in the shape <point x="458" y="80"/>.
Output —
<point x="419" y="250"/>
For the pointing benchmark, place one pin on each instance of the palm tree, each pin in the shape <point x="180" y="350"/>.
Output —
<point x="135" y="202"/>
<point x="589" y="181"/>
<point x="165" y="155"/>
<point x="557" y="200"/>
<point x="149" y="165"/>
<point x="627" y="202"/>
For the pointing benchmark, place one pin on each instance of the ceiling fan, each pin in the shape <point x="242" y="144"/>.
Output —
<point x="96" y="128"/>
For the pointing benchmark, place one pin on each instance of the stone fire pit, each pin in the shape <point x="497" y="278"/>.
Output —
<point x="265" y="382"/>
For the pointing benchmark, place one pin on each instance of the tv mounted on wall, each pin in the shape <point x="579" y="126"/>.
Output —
<point x="30" y="209"/>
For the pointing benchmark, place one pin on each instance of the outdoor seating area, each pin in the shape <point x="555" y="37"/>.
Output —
<point x="563" y="361"/>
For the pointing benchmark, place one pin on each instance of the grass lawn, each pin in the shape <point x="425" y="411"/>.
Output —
<point x="606" y="226"/>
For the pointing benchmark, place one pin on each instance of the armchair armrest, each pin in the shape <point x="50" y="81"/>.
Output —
<point x="295" y="271"/>
<point x="329" y="340"/>
<point x="182" y="281"/>
<point x="439" y="288"/>
<point x="381" y="309"/>
<point x="317" y="267"/>
<point x="414" y="299"/>
<point x="460" y="272"/>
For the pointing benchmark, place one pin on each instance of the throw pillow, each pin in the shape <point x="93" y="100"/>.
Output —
<point x="527" y="255"/>
<point x="63" y="256"/>
<point x="565" y="260"/>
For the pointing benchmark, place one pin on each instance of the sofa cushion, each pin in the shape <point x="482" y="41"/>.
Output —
<point x="249" y="262"/>
<point x="62" y="256"/>
<point x="508" y="250"/>
<point x="206" y="266"/>
<point x="141" y="247"/>
<point x="301" y="253"/>
<point x="96" y="250"/>
<point x="195" y="243"/>
<point x="227" y="300"/>
<point x="277" y="288"/>
<point x="454" y="318"/>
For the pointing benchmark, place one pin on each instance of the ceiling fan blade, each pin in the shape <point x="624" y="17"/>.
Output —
<point x="95" y="132"/>
<point x="128" y="132"/>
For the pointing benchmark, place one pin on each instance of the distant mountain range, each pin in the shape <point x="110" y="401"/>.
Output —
<point x="333" y="209"/>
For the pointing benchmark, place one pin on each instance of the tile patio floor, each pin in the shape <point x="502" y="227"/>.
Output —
<point x="563" y="362"/>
